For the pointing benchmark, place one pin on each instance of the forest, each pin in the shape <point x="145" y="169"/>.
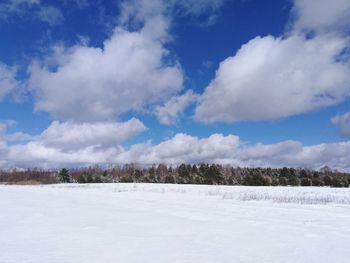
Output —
<point x="208" y="174"/>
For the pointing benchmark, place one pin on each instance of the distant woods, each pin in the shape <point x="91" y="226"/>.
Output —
<point x="212" y="174"/>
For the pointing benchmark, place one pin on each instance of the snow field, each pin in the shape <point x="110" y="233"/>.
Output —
<point x="102" y="223"/>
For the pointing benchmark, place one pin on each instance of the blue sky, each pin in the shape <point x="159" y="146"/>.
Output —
<point x="248" y="83"/>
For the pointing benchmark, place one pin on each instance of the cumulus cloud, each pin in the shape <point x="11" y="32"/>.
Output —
<point x="229" y="149"/>
<point x="343" y="124"/>
<point x="275" y="77"/>
<point x="294" y="154"/>
<point x="8" y="80"/>
<point x="36" y="154"/>
<point x="68" y="143"/>
<point x="18" y="136"/>
<point x="169" y="112"/>
<point x="130" y="71"/>
<point x="71" y="136"/>
<point x="321" y="14"/>
<point x="182" y="148"/>
<point x="271" y="78"/>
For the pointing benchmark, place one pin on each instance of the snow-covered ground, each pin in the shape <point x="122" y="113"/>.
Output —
<point x="104" y="223"/>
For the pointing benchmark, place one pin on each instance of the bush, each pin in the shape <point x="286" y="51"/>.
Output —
<point x="97" y="179"/>
<point x="126" y="179"/>
<point x="327" y="180"/>
<point x="169" y="179"/>
<point x="81" y="179"/>
<point x="339" y="181"/>
<point x="294" y="181"/>
<point x="89" y="178"/>
<point x="306" y="181"/>
<point x="283" y="181"/>
<point x="316" y="181"/>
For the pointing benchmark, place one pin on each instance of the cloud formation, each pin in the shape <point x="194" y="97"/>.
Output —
<point x="321" y="15"/>
<point x="69" y="136"/>
<point x="271" y="78"/>
<point x="181" y="148"/>
<point x="85" y="88"/>
<point x="68" y="143"/>
<point x="218" y="148"/>
<point x="169" y="113"/>
<point x="132" y="70"/>
<point x="275" y="77"/>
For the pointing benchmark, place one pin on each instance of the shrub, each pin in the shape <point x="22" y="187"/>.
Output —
<point x="316" y="181"/>
<point x="294" y="181"/>
<point x="126" y="179"/>
<point x="81" y="179"/>
<point x="327" y="180"/>
<point x="306" y="181"/>
<point x="283" y="181"/>
<point x="169" y="179"/>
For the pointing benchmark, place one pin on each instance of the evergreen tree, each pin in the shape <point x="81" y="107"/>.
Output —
<point x="81" y="179"/>
<point x="64" y="176"/>
<point x="306" y="181"/>
<point x="89" y="178"/>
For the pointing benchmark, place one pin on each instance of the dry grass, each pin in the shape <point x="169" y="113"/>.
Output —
<point x="27" y="182"/>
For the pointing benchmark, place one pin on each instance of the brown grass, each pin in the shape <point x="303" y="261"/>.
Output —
<point x="28" y="182"/>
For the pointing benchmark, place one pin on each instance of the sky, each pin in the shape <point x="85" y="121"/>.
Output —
<point x="237" y="82"/>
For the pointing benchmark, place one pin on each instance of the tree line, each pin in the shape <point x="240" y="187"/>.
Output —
<point x="209" y="174"/>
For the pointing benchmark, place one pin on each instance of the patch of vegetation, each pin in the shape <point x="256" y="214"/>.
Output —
<point x="210" y="174"/>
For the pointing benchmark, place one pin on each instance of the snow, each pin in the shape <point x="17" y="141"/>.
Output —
<point x="154" y="223"/>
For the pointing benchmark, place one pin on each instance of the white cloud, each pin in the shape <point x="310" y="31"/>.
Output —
<point x="321" y="14"/>
<point x="18" y="136"/>
<point x="182" y="148"/>
<point x="343" y="124"/>
<point x="71" y="136"/>
<point x="275" y="77"/>
<point x="294" y="154"/>
<point x="68" y="144"/>
<point x="271" y="78"/>
<point x="130" y="71"/>
<point x="229" y="149"/>
<point x="8" y="80"/>
<point x="169" y="112"/>
<point x="36" y="154"/>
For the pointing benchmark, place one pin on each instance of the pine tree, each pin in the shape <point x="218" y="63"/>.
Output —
<point x="64" y="176"/>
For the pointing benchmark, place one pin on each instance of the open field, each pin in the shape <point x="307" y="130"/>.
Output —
<point x="104" y="223"/>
